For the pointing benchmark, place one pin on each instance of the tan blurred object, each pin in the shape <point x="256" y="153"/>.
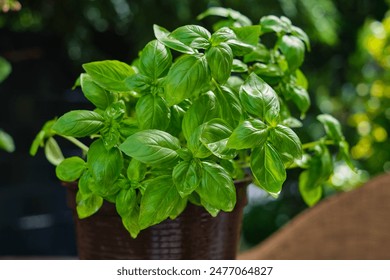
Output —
<point x="10" y="5"/>
<point x="352" y="225"/>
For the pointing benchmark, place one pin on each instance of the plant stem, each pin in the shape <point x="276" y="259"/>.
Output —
<point x="310" y="145"/>
<point x="79" y="144"/>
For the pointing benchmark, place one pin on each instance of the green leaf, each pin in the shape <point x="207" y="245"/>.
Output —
<point x="222" y="35"/>
<point x="260" y="53"/>
<point x="273" y="24"/>
<point x="110" y="134"/>
<point x="87" y="205"/>
<point x="239" y="66"/>
<point x="7" y="143"/>
<point x="294" y="51"/>
<point x="248" y="134"/>
<point x="188" y="77"/>
<point x="202" y="110"/>
<point x="345" y="155"/>
<point x="127" y="207"/>
<point x="214" y="135"/>
<point x="248" y="34"/>
<point x="105" y="166"/>
<point x="320" y="167"/>
<point x="229" y="105"/>
<point x="98" y="96"/>
<point x="164" y="37"/>
<point x="152" y="112"/>
<point x="259" y="99"/>
<point x="109" y="74"/>
<point x="160" y="199"/>
<point x="175" y="124"/>
<point x="227" y="13"/>
<point x="220" y="61"/>
<point x="287" y="143"/>
<point x="155" y="60"/>
<point x="311" y="194"/>
<point x="271" y="73"/>
<point x="53" y="152"/>
<point x="332" y="127"/>
<point x="153" y="147"/>
<point x="139" y="83"/>
<point x="5" y="69"/>
<point x="196" y="147"/>
<point x="70" y="169"/>
<point x="194" y="36"/>
<point x="301" y="98"/>
<point x="79" y="123"/>
<point x="299" y="33"/>
<point x="136" y="170"/>
<point x="186" y="177"/>
<point x="216" y="187"/>
<point x="268" y="168"/>
<point x="39" y="140"/>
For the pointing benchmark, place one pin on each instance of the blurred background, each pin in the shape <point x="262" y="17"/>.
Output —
<point x="44" y="42"/>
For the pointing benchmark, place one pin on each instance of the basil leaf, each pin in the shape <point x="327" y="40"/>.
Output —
<point x="188" y="77"/>
<point x="294" y="51"/>
<point x="311" y="194"/>
<point x="239" y="18"/>
<point x="155" y="60"/>
<point x="239" y="66"/>
<point x="53" y="151"/>
<point x="220" y="61"/>
<point x="139" y="83"/>
<point x="273" y="24"/>
<point x="7" y="143"/>
<point x="332" y="127"/>
<point x="345" y="155"/>
<point x="260" y="53"/>
<point x="105" y="166"/>
<point x="70" y="169"/>
<point x="287" y="143"/>
<point x="214" y="135"/>
<point x="248" y="34"/>
<point x="271" y="73"/>
<point x="301" y="98"/>
<point x="259" y="99"/>
<point x="222" y="36"/>
<point x="178" y="209"/>
<point x="299" y="33"/>
<point x="163" y="36"/>
<point x="79" y="123"/>
<point x="98" y="96"/>
<point x="320" y="167"/>
<point x="268" y="168"/>
<point x="192" y="35"/>
<point x="5" y="69"/>
<point x="248" y="134"/>
<point x="216" y="187"/>
<point x="158" y="201"/>
<point x="153" y="147"/>
<point x="87" y="205"/>
<point x="186" y="177"/>
<point x="229" y="105"/>
<point x="175" y="124"/>
<point x="136" y="170"/>
<point x="109" y="74"/>
<point x="127" y="207"/>
<point x="84" y="182"/>
<point x="198" y="150"/>
<point x="152" y="112"/>
<point x="202" y="110"/>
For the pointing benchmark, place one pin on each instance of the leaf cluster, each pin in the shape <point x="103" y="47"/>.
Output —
<point x="187" y="117"/>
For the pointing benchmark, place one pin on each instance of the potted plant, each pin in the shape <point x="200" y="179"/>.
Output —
<point x="193" y="113"/>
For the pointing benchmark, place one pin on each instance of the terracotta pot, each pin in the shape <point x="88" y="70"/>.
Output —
<point x="193" y="235"/>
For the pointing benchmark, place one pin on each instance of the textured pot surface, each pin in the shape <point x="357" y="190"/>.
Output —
<point x="195" y="234"/>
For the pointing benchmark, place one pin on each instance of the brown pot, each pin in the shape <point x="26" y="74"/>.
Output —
<point x="193" y="235"/>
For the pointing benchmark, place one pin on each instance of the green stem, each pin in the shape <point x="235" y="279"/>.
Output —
<point x="79" y="144"/>
<point x="310" y="145"/>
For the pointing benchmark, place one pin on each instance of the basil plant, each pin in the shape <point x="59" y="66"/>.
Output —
<point x="188" y="117"/>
